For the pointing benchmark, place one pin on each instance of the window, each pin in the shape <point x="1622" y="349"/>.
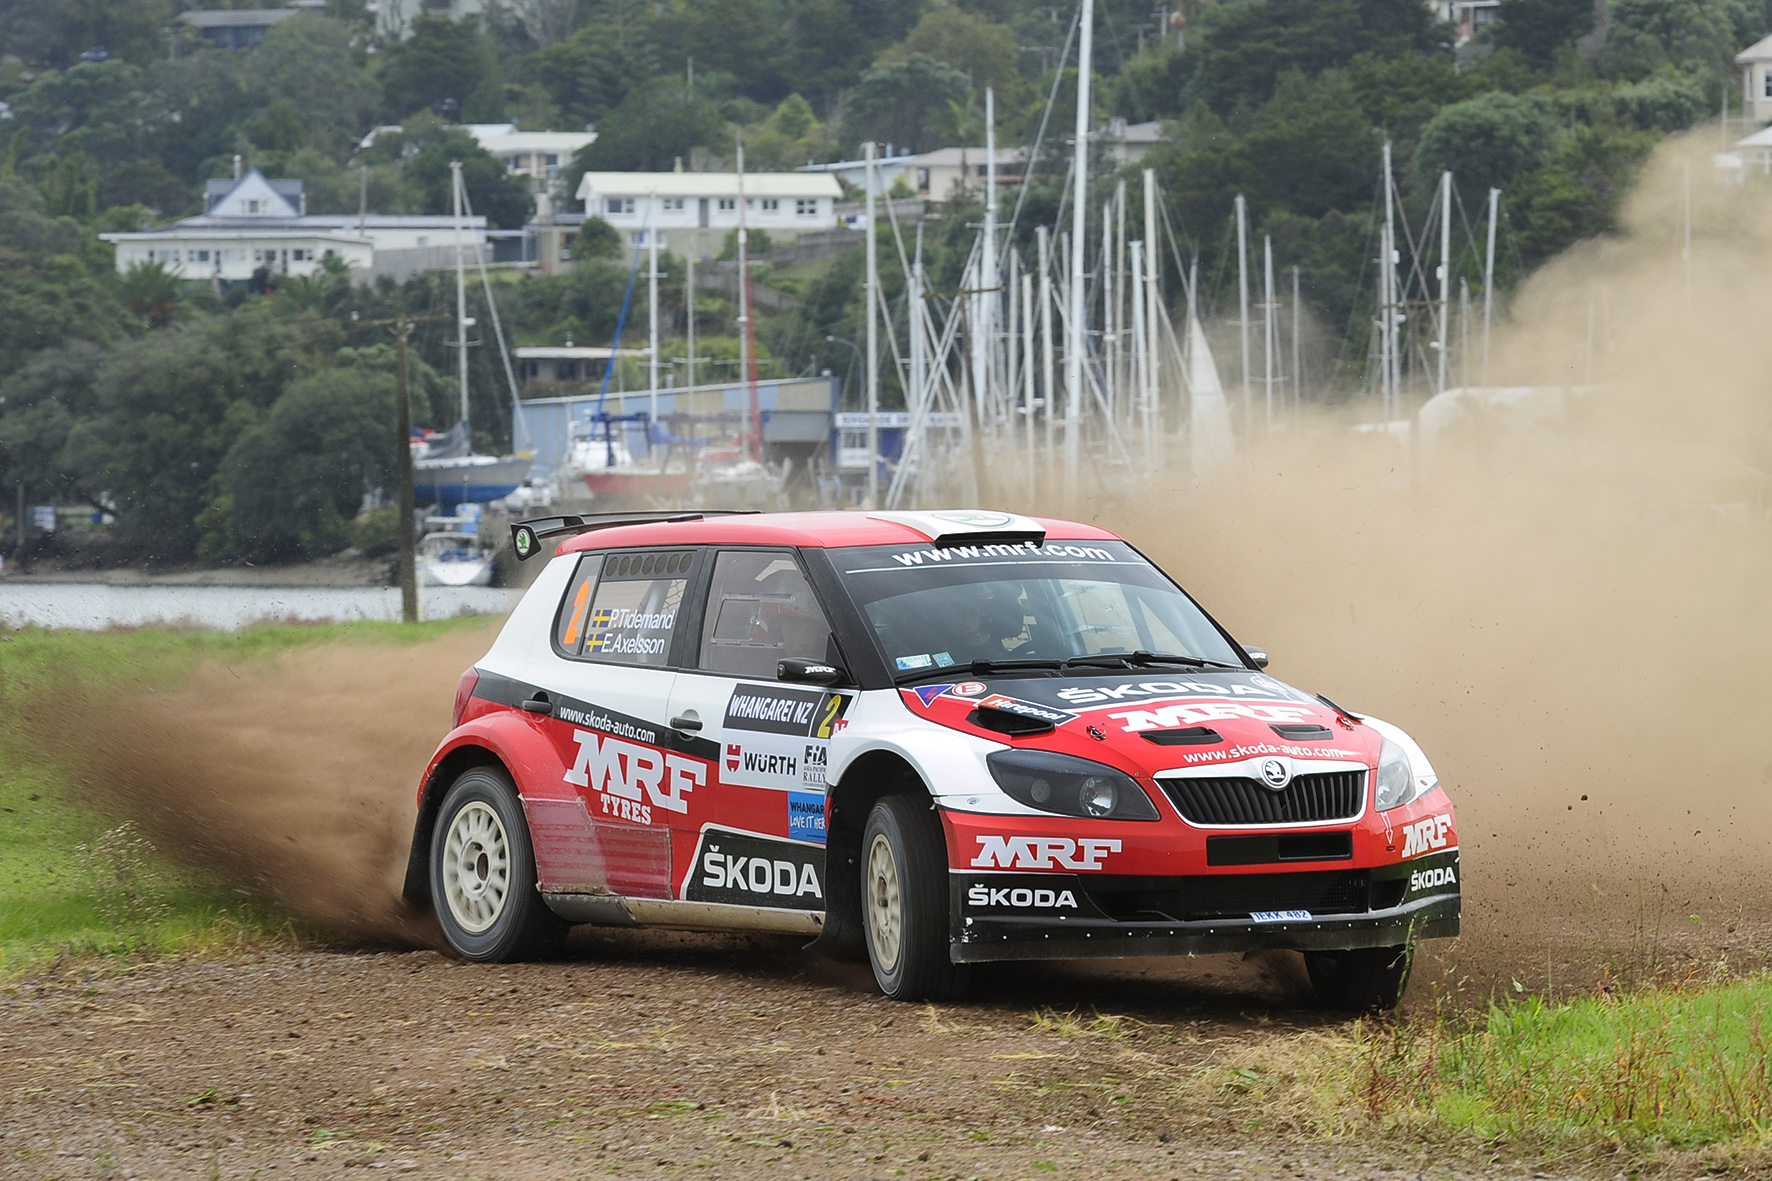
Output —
<point x="805" y="208"/>
<point x="566" y="250"/>
<point x="922" y="180"/>
<point x="760" y="610"/>
<point x="552" y="160"/>
<point x="424" y="240"/>
<point x="728" y="204"/>
<point x="252" y="206"/>
<point x="673" y="204"/>
<point x="530" y="369"/>
<point x="619" y="205"/>
<point x="771" y="204"/>
<point x="1766" y="82"/>
<point x="621" y="607"/>
<point x="1053" y="602"/>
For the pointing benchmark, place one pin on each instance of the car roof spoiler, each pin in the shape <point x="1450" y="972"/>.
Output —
<point x="527" y="536"/>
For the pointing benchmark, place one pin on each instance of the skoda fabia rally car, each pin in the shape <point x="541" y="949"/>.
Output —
<point x="927" y="738"/>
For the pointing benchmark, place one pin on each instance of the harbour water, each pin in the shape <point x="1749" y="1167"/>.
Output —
<point x="91" y="606"/>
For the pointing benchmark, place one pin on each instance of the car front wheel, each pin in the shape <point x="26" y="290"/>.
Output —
<point x="904" y="892"/>
<point x="483" y="873"/>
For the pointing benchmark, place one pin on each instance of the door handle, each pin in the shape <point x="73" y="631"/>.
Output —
<point x="685" y="722"/>
<point x="539" y="704"/>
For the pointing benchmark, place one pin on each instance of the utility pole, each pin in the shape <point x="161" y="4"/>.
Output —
<point x="873" y="297"/>
<point x="689" y="297"/>
<point x="403" y="325"/>
<point x="1388" y="287"/>
<point x="1297" y="366"/>
<point x="1152" y="300"/>
<point x="985" y="325"/>
<point x="1073" y="351"/>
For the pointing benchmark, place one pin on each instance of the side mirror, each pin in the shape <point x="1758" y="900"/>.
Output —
<point x="1257" y="656"/>
<point x="807" y="672"/>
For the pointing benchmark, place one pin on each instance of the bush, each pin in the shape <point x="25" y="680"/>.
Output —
<point x="377" y="532"/>
<point x="1487" y="141"/>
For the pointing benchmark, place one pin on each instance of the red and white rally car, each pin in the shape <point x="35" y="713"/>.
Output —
<point x="933" y="738"/>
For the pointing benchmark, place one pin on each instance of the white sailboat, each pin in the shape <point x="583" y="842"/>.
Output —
<point x="446" y="471"/>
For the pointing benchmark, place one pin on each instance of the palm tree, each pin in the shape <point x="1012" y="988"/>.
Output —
<point x="151" y="291"/>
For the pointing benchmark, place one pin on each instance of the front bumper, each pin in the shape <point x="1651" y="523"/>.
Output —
<point x="1045" y="916"/>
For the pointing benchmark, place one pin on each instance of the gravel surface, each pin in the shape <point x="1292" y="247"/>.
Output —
<point x="641" y="1055"/>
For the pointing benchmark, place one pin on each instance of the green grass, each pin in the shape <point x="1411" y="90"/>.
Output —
<point x="1687" y="1067"/>
<point x="76" y="882"/>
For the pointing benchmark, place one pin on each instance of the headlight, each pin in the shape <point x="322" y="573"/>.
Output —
<point x="1069" y="786"/>
<point x="1396" y="778"/>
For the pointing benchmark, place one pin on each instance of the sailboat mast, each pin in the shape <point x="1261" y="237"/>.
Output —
<point x="652" y="316"/>
<point x="1445" y="271"/>
<point x="1073" y="350"/>
<point x="1489" y="278"/>
<point x="461" y="291"/>
<point x="873" y="297"/>
<point x="1243" y="297"/>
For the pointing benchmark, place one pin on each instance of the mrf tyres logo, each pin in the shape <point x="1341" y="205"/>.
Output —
<point x="1087" y="853"/>
<point x="630" y="780"/>
<point x="748" y="870"/>
<point x="1426" y="835"/>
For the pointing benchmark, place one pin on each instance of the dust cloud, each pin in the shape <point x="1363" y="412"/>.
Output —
<point x="1572" y="615"/>
<point x="294" y="777"/>
<point x="1569" y="604"/>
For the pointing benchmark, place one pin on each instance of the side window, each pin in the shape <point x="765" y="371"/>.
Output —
<point x="575" y="608"/>
<point x="760" y="610"/>
<point x="630" y="604"/>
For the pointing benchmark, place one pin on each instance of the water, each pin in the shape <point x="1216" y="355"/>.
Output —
<point x="89" y="606"/>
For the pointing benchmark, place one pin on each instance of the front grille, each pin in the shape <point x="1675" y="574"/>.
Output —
<point x="1308" y="799"/>
<point x="1231" y="896"/>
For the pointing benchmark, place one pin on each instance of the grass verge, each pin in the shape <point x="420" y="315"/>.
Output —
<point x="75" y="881"/>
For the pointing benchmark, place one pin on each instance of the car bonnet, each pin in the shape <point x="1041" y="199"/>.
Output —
<point x="1146" y="721"/>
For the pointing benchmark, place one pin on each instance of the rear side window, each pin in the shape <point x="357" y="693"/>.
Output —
<point x="760" y="609"/>
<point x="622" y="607"/>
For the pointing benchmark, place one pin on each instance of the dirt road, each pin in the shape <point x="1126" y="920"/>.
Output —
<point x="646" y="1056"/>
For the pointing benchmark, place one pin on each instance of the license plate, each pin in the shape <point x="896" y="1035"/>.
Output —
<point x="1281" y="916"/>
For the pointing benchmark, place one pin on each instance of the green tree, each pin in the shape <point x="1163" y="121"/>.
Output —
<point x="291" y="483"/>
<point x="150" y="292"/>
<point x="312" y="62"/>
<point x="983" y="51"/>
<point x="435" y="69"/>
<point x="590" y="72"/>
<point x="791" y="136"/>
<point x="654" y="126"/>
<point x="70" y="188"/>
<point x="1668" y="100"/>
<point x="910" y="103"/>
<point x="493" y="192"/>
<point x="1488" y="141"/>
<point x="1242" y="49"/>
<point x="279" y="127"/>
<point x="1680" y="31"/>
<point x="596" y="238"/>
<point x="745" y="40"/>
<point x="169" y="407"/>
<point x="1540" y="29"/>
<point x="1309" y="149"/>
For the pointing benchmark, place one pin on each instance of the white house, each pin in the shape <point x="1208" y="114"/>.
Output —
<point x="538" y="155"/>
<point x="1756" y="80"/>
<point x="692" y="211"/>
<point x="257" y="223"/>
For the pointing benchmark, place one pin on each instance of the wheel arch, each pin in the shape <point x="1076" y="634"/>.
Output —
<point x="443" y="772"/>
<point x="866" y="780"/>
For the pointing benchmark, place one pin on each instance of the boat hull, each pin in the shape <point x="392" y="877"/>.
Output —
<point x="469" y="479"/>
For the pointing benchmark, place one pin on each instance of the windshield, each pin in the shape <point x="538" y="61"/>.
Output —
<point x="935" y="608"/>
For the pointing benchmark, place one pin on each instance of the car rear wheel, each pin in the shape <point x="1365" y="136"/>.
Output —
<point x="1360" y="979"/>
<point x="904" y="892"/>
<point x="483" y="873"/>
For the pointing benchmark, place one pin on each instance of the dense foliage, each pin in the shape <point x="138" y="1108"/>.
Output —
<point x="225" y="425"/>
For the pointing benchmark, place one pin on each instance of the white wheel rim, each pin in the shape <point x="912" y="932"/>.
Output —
<point x="476" y="867"/>
<point x="885" y="904"/>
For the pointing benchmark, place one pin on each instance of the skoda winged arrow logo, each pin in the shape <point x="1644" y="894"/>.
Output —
<point x="1276" y="774"/>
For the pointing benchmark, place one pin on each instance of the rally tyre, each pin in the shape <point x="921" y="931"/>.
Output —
<point x="483" y="873"/>
<point x="904" y="902"/>
<point x="1359" y="980"/>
